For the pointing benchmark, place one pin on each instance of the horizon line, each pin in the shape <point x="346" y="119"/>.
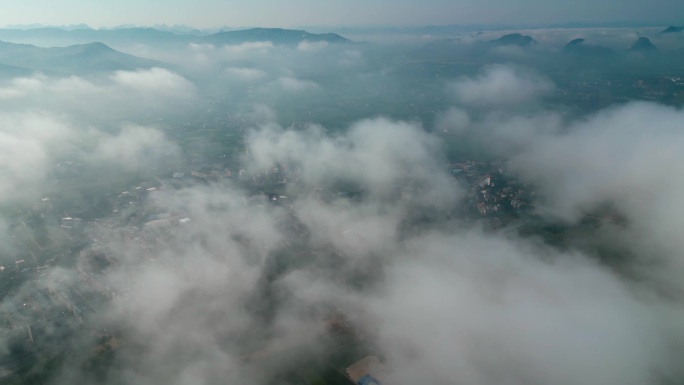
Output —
<point x="162" y="26"/>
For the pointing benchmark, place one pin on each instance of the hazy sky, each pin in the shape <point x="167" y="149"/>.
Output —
<point x="215" y="13"/>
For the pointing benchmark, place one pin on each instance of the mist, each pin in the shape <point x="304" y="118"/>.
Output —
<point x="274" y="206"/>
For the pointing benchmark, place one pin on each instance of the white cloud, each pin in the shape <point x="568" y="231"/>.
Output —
<point x="307" y="46"/>
<point x="482" y="310"/>
<point x="453" y="304"/>
<point x="136" y="148"/>
<point x="378" y="153"/>
<point x="258" y="47"/>
<point x="120" y="94"/>
<point x="202" y="47"/>
<point x="624" y="159"/>
<point x="20" y="87"/>
<point x="501" y="86"/>
<point x="28" y="142"/>
<point x="247" y="74"/>
<point x="45" y="120"/>
<point x="292" y="84"/>
<point x="455" y="120"/>
<point x="155" y="82"/>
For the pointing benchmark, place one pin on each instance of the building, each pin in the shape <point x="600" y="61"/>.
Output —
<point x="366" y="371"/>
<point x="368" y="380"/>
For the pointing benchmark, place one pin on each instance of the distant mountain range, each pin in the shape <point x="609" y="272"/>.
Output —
<point x="23" y="59"/>
<point x="514" y="39"/>
<point x="85" y="51"/>
<point x="578" y="47"/>
<point x="68" y="27"/>
<point x="274" y="35"/>
<point x="451" y="29"/>
<point x="59" y="36"/>
<point x="482" y="51"/>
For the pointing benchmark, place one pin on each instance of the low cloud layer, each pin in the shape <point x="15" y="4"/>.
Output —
<point x="290" y="84"/>
<point x="628" y="158"/>
<point x="45" y="121"/>
<point x="501" y="86"/>
<point x="204" y="281"/>
<point x="123" y="93"/>
<point x="450" y="304"/>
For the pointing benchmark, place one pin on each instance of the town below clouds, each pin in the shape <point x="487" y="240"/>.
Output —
<point x="274" y="206"/>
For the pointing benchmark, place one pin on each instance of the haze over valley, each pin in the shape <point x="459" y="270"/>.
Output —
<point x="485" y="203"/>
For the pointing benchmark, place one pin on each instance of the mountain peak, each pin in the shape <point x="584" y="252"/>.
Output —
<point x="89" y="48"/>
<point x="643" y="44"/>
<point x="575" y="43"/>
<point x="672" y="29"/>
<point x="580" y="47"/>
<point x="515" y="39"/>
<point x="79" y="58"/>
<point x="97" y="46"/>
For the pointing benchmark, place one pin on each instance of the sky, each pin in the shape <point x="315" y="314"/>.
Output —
<point x="276" y="13"/>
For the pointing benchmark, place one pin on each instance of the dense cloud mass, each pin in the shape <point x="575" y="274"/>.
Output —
<point x="489" y="310"/>
<point x="470" y="306"/>
<point x="121" y="93"/>
<point x="47" y="120"/>
<point x="628" y="159"/>
<point x="500" y="86"/>
<point x="375" y="154"/>
<point x="135" y="148"/>
<point x="24" y="143"/>
<point x="208" y="274"/>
